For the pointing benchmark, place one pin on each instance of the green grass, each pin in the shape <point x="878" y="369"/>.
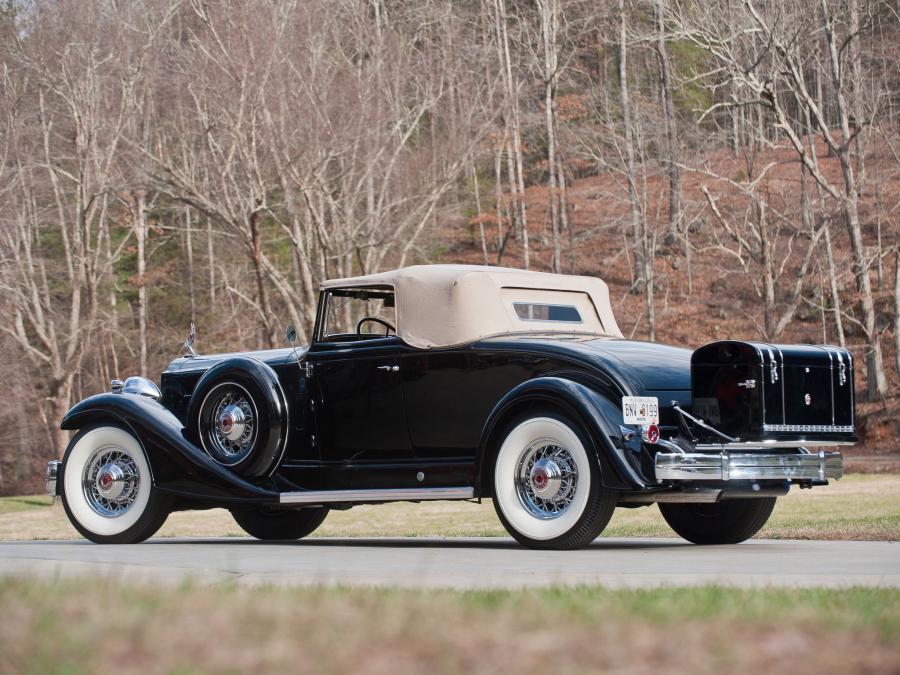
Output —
<point x="14" y="504"/>
<point x="74" y="627"/>
<point x="862" y="507"/>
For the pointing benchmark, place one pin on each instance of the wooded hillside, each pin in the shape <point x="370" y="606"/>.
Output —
<point x="730" y="168"/>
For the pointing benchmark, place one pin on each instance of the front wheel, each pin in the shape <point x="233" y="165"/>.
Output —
<point x="547" y="489"/>
<point x="729" y="522"/>
<point x="279" y="524"/>
<point x="107" y="490"/>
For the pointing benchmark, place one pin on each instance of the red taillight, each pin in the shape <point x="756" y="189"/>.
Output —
<point x="651" y="433"/>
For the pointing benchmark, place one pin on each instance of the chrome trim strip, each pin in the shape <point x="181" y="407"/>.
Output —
<point x="768" y="445"/>
<point x="747" y="466"/>
<point x="810" y="428"/>
<point x="762" y="379"/>
<point x="827" y="350"/>
<point x="378" y="495"/>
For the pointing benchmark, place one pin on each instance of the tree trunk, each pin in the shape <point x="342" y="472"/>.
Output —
<point x="210" y="256"/>
<point x="60" y="401"/>
<point x="835" y="294"/>
<point x="549" y="18"/>
<point x="514" y="125"/>
<point x="139" y="215"/>
<point x="897" y="310"/>
<point x="765" y="246"/>
<point x="565" y="220"/>
<point x="637" y="224"/>
<point x="849" y="118"/>
<point x="498" y="206"/>
<point x="484" y="251"/>
<point x="262" y="296"/>
<point x="672" y="171"/>
<point x="189" y="245"/>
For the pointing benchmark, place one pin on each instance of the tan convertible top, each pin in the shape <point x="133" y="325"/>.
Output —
<point x="448" y="305"/>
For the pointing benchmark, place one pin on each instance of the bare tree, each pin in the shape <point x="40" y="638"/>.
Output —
<point x="637" y="216"/>
<point x="549" y="19"/>
<point x="774" y="58"/>
<point x="897" y="309"/>
<point x="671" y="159"/>
<point x="513" y="121"/>
<point x="66" y="125"/>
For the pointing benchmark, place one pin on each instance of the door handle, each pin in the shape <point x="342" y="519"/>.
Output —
<point x="392" y="369"/>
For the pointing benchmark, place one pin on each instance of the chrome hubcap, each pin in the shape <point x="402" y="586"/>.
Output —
<point x="110" y="481"/>
<point x="546" y="479"/>
<point x="233" y="425"/>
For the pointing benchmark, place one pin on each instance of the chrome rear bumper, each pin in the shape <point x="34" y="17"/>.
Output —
<point x="748" y="466"/>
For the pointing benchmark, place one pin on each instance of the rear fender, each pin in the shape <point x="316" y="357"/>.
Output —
<point x="601" y="419"/>
<point x="177" y="465"/>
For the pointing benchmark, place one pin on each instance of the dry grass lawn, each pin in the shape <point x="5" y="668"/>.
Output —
<point x="73" y="628"/>
<point x="860" y="506"/>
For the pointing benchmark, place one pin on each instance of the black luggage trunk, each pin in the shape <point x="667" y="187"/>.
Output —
<point x="753" y="391"/>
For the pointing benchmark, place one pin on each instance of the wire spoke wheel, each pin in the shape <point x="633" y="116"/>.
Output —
<point x="232" y="423"/>
<point x="548" y="491"/>
<point x="110" y="481"/>
<point x="107" y="487"/>
<point x="546" y="478"/>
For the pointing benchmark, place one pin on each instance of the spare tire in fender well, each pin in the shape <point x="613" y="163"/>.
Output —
<point x="261" y="383"/>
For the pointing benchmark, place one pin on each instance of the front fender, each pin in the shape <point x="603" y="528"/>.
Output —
<point x="178" y="466"/>
<point x="601" y="417"/>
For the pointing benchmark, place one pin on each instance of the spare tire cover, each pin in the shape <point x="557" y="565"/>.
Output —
<point x="238" y="414"/>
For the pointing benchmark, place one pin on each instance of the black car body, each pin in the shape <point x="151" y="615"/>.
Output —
<point x="367" y="417"/>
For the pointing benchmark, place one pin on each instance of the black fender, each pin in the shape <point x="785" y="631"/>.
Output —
<point x="601" y="417"/>
<point x="177" y="465"/>
<point x="273" y="423"/>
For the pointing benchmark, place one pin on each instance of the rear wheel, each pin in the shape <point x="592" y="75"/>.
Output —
<point x="107" y="490"/>
<point x="547" y="490"/>
<point x="279" y="524"/>
<point x="728" y="522"/>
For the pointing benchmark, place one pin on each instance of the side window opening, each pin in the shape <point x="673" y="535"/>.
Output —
<point x="346" y="307"/>
<point x="539" y="311"/>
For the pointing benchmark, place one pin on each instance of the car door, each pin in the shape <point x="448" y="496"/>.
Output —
<point x="449" y="394"/>
<point x="358" y="401"/>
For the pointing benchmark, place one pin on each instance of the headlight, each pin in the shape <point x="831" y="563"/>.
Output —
<point x="141" y="386"/>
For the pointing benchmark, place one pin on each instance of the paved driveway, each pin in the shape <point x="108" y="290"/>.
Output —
<point x="463" y="563"/>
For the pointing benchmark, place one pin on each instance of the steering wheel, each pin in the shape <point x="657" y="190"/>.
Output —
<point x="387" y="327"/>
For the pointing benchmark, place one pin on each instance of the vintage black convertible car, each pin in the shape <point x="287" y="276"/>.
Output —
<point x="467" y="383"/>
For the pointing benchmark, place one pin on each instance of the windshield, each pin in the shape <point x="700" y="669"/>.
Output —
<point x="359" y="313"/>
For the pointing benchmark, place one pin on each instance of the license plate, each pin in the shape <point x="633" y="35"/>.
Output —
<point x="640" y="410"/>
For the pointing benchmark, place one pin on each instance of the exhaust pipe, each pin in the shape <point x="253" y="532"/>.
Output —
<point x="707" y="495"/>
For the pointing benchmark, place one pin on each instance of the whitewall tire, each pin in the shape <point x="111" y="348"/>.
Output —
<point x="547" y="489"/>
<point x="107" y="488"/>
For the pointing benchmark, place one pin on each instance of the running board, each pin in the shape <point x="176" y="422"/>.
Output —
<point x="380" y="495"/>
